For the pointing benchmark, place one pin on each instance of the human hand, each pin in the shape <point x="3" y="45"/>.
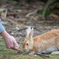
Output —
<point x="10" y="41"/>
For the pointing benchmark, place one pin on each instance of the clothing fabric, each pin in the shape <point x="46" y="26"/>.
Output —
<point x="1" y="27"/>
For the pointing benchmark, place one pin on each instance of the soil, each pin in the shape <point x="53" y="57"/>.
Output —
<point x="23" y="15"/>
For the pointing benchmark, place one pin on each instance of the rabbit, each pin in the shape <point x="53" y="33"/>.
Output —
<point x="44" y="43"/>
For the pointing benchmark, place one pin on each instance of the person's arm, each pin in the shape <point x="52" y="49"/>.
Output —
<point x="1" y="27"/>
<point x="9" y="40"/>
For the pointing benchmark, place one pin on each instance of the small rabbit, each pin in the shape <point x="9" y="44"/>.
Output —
<point x="44" y="43"/>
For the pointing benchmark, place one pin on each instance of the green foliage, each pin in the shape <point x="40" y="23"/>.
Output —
<point x="57" y="25"/>
<point x="41" y="12"/>
<point x="0" y="12"/>
<point x="48" y="12"/>
<point x="57" y="5"/>
<point x="15" y="7"/>
<point x="42" y="20"/>
<point x="22" y="40"/>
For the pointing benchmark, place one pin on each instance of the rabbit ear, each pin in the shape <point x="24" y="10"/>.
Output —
<point x="29" y="33"/>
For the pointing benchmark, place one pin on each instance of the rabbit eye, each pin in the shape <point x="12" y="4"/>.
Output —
<point x="27" y="44"/>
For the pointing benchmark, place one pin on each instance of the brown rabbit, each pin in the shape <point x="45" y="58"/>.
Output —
<point x="45" y="43"/>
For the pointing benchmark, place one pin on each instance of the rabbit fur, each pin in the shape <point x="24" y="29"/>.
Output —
<point x="44" y="43"/>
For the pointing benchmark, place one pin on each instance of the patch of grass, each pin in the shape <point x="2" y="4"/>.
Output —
<point x="42" y="20"/>
<point x="0" y="12"/>
<point x="22" y="40"/>
<point x="57" y="25"/>
<point x="41" y="12"/>
<point x="15" y="7"/>
<point x="12" y="54"/>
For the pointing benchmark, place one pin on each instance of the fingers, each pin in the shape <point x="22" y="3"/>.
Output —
<point x="11" y="43"/>
<point x="15" y="46"/>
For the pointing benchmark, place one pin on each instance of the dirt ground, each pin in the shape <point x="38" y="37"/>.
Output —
<point x="20" y="16"/>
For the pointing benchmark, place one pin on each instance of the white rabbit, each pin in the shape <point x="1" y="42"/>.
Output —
<point x="45" y="43"/>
